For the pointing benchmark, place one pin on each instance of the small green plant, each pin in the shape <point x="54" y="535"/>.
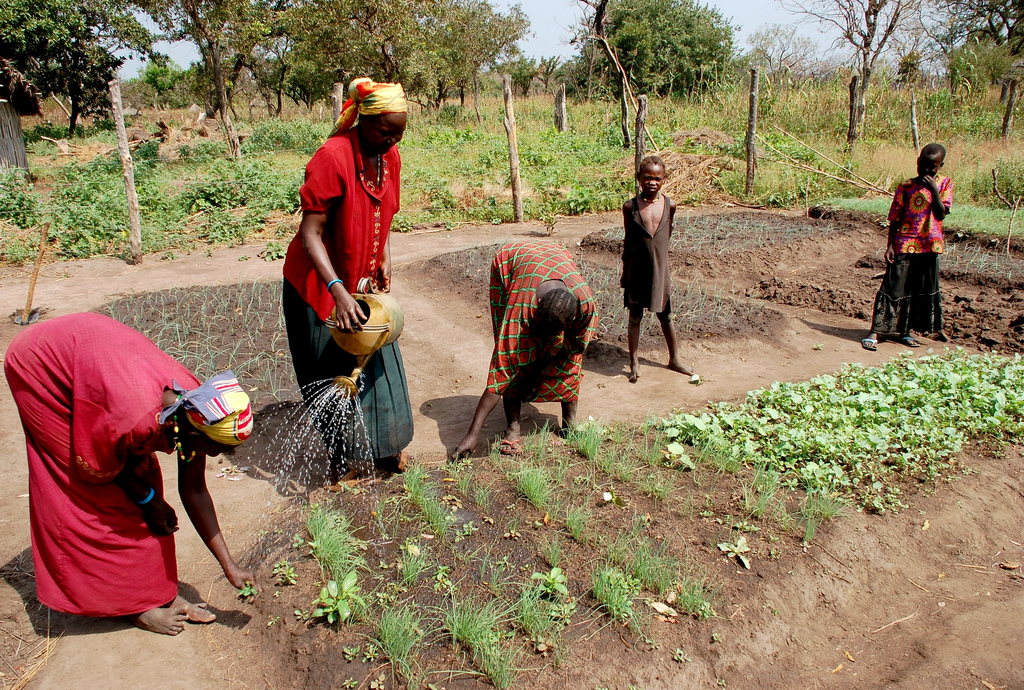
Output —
<point x="351" y="653"/>
<point x="412" y="562"/>
<point x="577" y="521"/>
<point x="476" y="627"/>
<point x="482" y="496"/>
<point x="398" y="632"/>
<point x="338" y="601"/>
<point x="285" y="573"/>
<point x="656" y="486"/>
<point x="534" y="483"/>
<point x="551" y="550"/>
<point x="552" y="583"/>
<point x="273" y="252"/>
<point x="680" y="657"/>
<point x="615" y="591"/>
<point x="817" y="507"/>
<point x="586" y="439"/>
<point x="248" y="591"/>
<point x="333" y="541"/>
<point x="533" y="614"/>
<point x="737" y="549"/>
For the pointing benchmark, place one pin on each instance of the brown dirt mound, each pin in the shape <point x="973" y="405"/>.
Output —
<point x="701" y="137"/>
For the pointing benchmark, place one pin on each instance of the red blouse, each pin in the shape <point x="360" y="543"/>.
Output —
<point x="358" y="218"/>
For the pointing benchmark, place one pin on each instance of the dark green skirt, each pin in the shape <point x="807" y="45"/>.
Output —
<point x="384" y="398"/>
<point x="909" y="298"/>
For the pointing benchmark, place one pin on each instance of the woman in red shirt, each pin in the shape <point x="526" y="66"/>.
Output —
<point x="349" y="198"/>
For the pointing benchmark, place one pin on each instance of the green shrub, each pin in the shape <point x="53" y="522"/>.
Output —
<point x="276" y="135"/>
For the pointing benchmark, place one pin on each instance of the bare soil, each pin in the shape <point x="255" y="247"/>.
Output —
<point x="814" y="617"/>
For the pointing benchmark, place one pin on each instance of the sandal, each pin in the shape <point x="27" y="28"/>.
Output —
<point x="513" y="447"/>
<point x="909" y="341"/>
<point x="869" y="344"/>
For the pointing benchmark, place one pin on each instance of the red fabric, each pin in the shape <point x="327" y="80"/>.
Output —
<point x="358" y="218"/>
<point x="88" y="390"/>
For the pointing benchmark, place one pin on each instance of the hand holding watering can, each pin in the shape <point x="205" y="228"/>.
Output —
<point x="379" y="322"/>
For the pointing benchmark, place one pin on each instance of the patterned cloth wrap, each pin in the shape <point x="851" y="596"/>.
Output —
<point x="918" y="231"/>
<point x="219" y="408"/>
<point x="367" y="97"/>
<point x="518" y="269"/>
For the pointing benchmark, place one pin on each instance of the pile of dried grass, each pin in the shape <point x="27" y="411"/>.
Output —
<point x="708" y="138"/>
<point x="691" y="176"/>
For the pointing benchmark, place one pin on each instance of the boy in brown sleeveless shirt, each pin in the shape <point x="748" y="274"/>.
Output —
<point x="645" y="272"/>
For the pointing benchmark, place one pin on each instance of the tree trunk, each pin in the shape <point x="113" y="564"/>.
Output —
<point x="913" y="120"/>
<point x="234" y="146"/>
<point x="128" y="170"/>
<point x="751" y="141"/>
<point x="1004" y="91"/>
<point x="1011" y="102"/>
<point x="639" y="138"/>
<point x="76" y="111"/>
<point x="590" y="73"/>
<point x="626" y="143"/>
<point x="561" y="117"/>
<point x="462" y="95"/>
<point x="851" y="133"/>
<point x="476" y="96"/>
<point x="337" y="99"/>
<point x="862" y="101"/>
<point x="513" y="152"/>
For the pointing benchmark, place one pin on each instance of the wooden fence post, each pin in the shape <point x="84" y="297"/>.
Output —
<point x="1011" y="102"/>
<point x="851" y="133"/>
<point x="134" y="224"/>
<point x="27" y="314"/>
<point x="513" y="152"/>
<point x="561" y="116"/>
<point x="337" y="99"/>
<point x="752" y="132"/>
<point x="625" y="116"/>
<point x="638" y="136"/>
<point x="913" y="120"/>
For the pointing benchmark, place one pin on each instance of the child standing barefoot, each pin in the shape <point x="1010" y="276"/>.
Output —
<point x="909" y="298"/>
<point x="645" y="278"/>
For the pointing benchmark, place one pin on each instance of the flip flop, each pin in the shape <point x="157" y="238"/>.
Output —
<point x="513" y="447"/>
<point x="869" y="344"/>
<point x="909" y="341"/>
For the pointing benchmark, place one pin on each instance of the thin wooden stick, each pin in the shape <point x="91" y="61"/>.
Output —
<point x="841" y="167"/>
<point x="35" y="274"/>
<point x="896" y="622"/>
<point x="803" y="166"/>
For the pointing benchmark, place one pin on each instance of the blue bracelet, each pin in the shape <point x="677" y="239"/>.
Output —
<point x="336" y="280"/>
<point x="147" y="499"/>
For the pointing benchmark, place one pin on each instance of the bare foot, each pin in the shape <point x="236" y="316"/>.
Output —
<point x="634" y="371"/>
<point x="197" y="613"/>
<point x="166" y="620"/>
<point x="512" y="433"/>
<point x="676" y="365"/>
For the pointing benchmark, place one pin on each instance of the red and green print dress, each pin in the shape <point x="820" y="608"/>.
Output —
<point x="518" y="269"/>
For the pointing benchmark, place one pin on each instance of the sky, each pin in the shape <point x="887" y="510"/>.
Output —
<point x="550" y="21"/>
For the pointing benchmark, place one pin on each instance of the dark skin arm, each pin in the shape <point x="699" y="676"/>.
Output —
<point x="159" y="516"/>
<point x="938" y="208"/>
<point x="383" y="277"/>
<point x="195" y="496"/>
<point x="627" y="211"/>
<point x="350" y="317"/>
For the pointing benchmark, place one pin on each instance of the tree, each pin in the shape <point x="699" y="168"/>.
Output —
<point x="866" y="26"/>
<point x="782" y="53"/>
<point x="209" y="24"/>
<point x="163" y="75"/>
<point x="68" y="47"/>
<point x="522" y="70"/>
<point x="668" y="47"/>
<point x="547" y="68"/>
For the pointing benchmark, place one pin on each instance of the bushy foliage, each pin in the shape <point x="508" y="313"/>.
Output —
<point x="857" y="431"/>
<point x="291" y="135"/>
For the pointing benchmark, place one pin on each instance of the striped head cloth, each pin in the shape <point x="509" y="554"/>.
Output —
<point x="219" y="408"/>
<point x="367" y="97"/>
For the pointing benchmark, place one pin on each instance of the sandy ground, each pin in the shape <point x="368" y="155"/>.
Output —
<point x="446" y="352"/>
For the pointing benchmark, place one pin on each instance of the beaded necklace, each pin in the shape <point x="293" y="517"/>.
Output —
<point x="177" y="443"/>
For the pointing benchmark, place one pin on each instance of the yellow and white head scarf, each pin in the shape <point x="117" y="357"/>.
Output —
<point x="367" y="97"/>
<point x="219" y="408"/>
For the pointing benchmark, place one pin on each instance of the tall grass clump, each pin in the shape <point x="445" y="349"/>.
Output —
<point x="398" y="632"/>
<point x="615" y="591"/>
<point x="332" y="541"/>
<point x="423" y="495"/>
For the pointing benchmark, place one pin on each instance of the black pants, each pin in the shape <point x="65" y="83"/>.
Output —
<point x="384" y="398"/>
<point x="909" y="298"/>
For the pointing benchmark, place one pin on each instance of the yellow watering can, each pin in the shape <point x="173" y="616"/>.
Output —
<point x="383" y="325"/>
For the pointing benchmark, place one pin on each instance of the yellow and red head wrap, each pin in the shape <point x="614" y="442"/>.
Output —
<point x="367" y="97"/>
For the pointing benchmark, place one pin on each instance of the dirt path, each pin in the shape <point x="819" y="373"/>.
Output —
<point x="446" y="347"/>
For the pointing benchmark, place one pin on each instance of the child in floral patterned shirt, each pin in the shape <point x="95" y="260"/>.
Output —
<point x="909" y="298"/>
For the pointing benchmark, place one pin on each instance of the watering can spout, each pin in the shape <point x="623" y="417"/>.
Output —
<point x="346" y="385"/>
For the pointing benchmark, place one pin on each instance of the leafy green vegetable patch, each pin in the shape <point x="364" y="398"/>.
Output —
<point x="858" y="432"/>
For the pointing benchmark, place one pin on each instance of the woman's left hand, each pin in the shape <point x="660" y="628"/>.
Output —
<point x="383" y="278"/>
